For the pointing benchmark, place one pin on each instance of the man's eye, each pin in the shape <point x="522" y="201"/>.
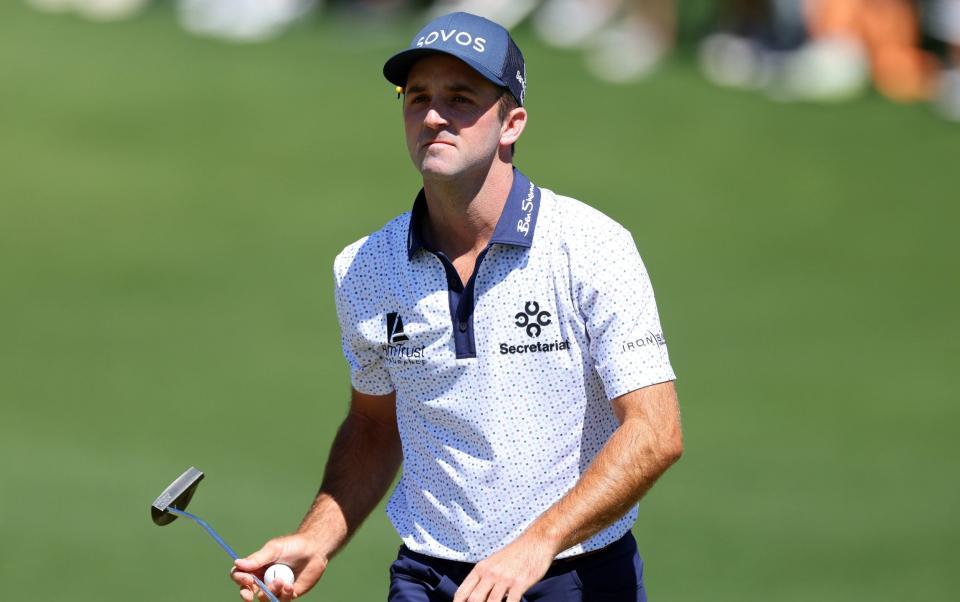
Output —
<point x="462" y="99"/>
<point x="418" y="98"/>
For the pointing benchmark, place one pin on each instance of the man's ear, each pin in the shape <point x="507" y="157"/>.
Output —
<point x="513" y="126"/>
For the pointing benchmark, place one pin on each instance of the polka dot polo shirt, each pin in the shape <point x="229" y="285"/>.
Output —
<point x="503" y="382"/>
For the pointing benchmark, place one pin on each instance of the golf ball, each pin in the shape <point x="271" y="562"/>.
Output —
<point x="278" y="572"/>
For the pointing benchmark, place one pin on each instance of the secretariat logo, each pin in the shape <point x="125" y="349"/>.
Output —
<point x="533" y="320"/>
<point x="395" y="349"/>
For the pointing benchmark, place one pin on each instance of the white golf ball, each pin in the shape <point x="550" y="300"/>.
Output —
<point x="278" y="572"/>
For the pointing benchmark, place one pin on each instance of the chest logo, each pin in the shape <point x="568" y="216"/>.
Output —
<point x="395" y="332"/>
<point x="395" y="349"/>
<point x="532" y="319"/>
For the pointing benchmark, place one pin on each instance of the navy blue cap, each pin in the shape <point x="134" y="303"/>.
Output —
<point x="480" y="43"/>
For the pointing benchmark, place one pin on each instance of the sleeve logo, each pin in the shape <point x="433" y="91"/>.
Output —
<point x="649" y="339"/>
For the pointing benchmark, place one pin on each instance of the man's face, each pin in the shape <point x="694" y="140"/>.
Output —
<point x="451" y="117"/>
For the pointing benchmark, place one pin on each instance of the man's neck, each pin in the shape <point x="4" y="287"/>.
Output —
<point x="463" y="212"/>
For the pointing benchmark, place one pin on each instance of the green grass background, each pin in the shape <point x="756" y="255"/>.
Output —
<point x="169" y="211"/>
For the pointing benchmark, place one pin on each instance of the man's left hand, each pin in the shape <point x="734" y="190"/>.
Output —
<point x="509" y="573"/>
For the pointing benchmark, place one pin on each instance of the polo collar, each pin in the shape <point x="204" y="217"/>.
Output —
<point x="515" y="226"/>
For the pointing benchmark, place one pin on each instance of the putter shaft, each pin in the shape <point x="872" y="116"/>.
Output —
<point x="226" y="547"/>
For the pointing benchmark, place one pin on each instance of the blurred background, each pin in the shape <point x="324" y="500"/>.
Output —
<point x="177" y="176"/>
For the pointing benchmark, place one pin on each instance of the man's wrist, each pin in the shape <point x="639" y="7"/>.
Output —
<point x="325" y="526"/>
<point x="323" y="541"/>
<point x="545" y="535"/>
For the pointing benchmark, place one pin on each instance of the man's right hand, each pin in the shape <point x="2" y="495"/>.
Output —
<point x="363" y="461"/>
<point x="298" y="551"/>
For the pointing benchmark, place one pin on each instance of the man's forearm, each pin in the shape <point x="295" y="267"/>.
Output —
<point x="363" y="462"/>
<point x="638" y="452"/>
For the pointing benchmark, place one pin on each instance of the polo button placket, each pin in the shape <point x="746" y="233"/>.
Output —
<point x="462" y="304"/>
<point x="462" y="296"/>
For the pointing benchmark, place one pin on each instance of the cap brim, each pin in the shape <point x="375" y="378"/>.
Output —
<point x="398" y="66"/>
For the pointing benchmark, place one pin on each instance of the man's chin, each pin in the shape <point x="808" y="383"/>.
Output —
<point x="437" y="170"/>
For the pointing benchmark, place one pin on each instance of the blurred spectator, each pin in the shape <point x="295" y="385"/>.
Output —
<point x="570" y="23"/>
<point x="376" y="10"/>
<point x="97" y="10"/>
<point x="815" y="50"/>
<point x="771" y="24"/>
<point x="241" y="20"/>
<point x="632" y="47"/>
<point x="889" y="31"/>
<point x="623" y="39"/>
<point x="753" y="40"/>
<point x="508" y="13"/>
<point x="834" y="64"/>
<point x="942" y="20"/>
<point x="849" y="43"/>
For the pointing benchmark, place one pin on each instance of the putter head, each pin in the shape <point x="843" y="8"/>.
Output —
<point x="176" y="495"/>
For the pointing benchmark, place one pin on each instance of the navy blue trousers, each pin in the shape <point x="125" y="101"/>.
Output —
<point x="613" y="574"/>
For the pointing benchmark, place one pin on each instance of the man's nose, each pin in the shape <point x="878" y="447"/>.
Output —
<point x="433" y="119"/>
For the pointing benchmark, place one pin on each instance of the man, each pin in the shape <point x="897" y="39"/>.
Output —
<point x="504" y="346"/>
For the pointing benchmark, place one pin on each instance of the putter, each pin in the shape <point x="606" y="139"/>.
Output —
<point x="173" y="503"/>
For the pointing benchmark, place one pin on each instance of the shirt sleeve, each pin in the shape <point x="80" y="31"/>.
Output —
<point x="616" y="299"/>
<point x="368" y="371"/>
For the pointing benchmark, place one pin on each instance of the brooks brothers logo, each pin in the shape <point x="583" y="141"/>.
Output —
<point x="464" y="38"/>
<point x="394" y="348"/>
<point x="648" y="340"/>
<point x="533" y="321"/>
<point x="523" y="225"/>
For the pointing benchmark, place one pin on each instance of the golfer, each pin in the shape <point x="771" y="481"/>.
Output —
<point x="505" y="352"/>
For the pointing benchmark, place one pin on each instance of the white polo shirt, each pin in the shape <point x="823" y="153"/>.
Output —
<point x="503" y="383"/>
